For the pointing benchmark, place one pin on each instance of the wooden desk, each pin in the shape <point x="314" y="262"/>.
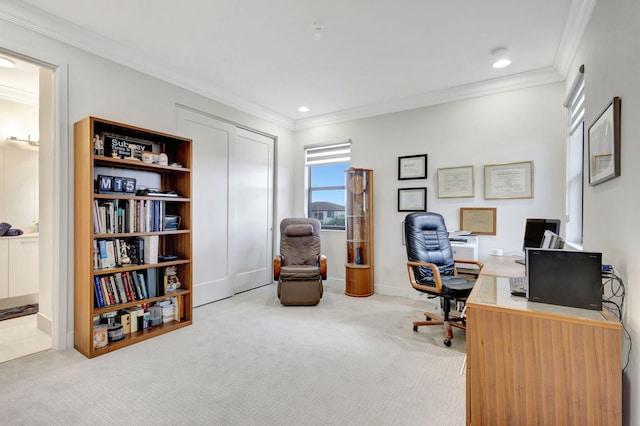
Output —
<point x="539" y="364"/>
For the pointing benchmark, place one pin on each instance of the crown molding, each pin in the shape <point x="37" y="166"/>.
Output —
<point x="56" y="28"/>
<point x="436" y="97"/>
<point x="579" y="14"/>
<point x="20" y="96"/>
<point x="59" y="29"/>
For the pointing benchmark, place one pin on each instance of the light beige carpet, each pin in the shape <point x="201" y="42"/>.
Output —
<point x="248" y="360"/>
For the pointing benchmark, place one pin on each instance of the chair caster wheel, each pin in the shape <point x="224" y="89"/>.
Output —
<point x="415" y="328"/>
<point x="447" y="342"/>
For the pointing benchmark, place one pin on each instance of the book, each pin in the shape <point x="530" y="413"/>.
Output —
<point x="143" y="285"/>
<point x="152" y="289"/>
<point x="106" y="290"/>
<point x="131" y="295"/>
<point x="111" y="254"/>
<point x="150" y="249"/>
<point x="96" y="255"/>
<point x="98" y="291"/>
<point x="135" y="283"/>
<point x="114" y="289"/>
<point x="102" y="250"/>
<point x="120" y="286"/>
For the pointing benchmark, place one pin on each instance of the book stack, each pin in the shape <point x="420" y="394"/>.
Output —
<point x="120" y="287"/>
<point x="127" y="216"/>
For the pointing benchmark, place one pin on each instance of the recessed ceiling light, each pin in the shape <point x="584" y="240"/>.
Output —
<point x="501" y="63"/>
<point x="501" y="60"/>
<point x="303" y="109"/>
<point x="7" y="63"/>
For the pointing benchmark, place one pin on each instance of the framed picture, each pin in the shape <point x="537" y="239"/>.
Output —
<point x="508" y="180"/>
<point x="456" y="182"/>
<point x="412" y="199"/>
<point x="604" y="144"/>
<point x="412" y="167"/>
<point x="481" y="220"/>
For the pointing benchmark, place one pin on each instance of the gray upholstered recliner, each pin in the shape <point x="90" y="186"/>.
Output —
<point x="300" y="267"/>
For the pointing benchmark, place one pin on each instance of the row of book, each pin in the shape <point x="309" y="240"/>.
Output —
<point x="110" y="253"/>
<point x="114" y="326"/>
<point x="130" y="286"/>
<point x="128" y="216"/>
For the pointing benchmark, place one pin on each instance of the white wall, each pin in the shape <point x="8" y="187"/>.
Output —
<point x="520" y="125"/>
<point x="610" y="53"/>
<point x="18" y="165"/>
<point x="108" y="90"/>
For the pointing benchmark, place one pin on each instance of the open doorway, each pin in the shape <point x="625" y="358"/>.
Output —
<point x="25" y="297"/>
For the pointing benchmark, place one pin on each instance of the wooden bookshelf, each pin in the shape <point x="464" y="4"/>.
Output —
<point x="89" y="163"/>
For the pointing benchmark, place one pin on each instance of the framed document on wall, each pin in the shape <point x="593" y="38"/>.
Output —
<point x="481" y="220"/>
<point x="508" y="180"/>
<point x="412" y="199"/>
<point x="412" y="167"/>
<point x="455" y="182"/>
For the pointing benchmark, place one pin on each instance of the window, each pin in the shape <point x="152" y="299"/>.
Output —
<point x="326" y="191"/>
<point x="575" y="162"/>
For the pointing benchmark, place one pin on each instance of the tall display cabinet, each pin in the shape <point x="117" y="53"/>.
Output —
<point x="359" y="223"/>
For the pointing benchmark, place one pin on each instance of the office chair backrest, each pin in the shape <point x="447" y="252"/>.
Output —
<point x="427" y="240"/>
<point x="299" y="241"/>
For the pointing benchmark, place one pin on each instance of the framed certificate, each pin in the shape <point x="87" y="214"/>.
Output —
<point x="481" y="220"/>
<point x="604" y="144"/>
<point x="456" y="182"/>
<point x="508" y="180"/>
<point x="412" y="199"/>
<point x="412" y="167"/>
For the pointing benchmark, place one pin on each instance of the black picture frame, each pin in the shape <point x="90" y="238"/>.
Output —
<point x="412" y="167"/>
<point x="604" y="144"/>
<point x="412" y="199"/>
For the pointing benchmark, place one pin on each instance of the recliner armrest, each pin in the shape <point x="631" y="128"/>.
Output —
<point x="322" y="261"/>
<point x="277" y="263"/>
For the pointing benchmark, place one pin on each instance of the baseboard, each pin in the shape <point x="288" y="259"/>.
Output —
<point x="45" y="324"/>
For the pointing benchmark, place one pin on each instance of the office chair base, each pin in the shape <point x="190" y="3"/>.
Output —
<point x="448" y="331"/>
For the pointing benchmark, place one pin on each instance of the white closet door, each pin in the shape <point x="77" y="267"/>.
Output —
<point x="252" y="207"/>
<point x="210" y="182"/>
<point x="232" y="206"/>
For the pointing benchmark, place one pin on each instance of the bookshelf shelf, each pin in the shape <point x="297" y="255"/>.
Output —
<point x="118" y="236"/>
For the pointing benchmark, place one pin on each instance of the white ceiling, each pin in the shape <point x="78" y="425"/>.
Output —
<point x="375" y="56"/>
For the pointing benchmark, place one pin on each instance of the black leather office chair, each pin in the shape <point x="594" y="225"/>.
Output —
<point x="432" y="269"/>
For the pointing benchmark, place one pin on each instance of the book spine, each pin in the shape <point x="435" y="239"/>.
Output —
<point x="98" y="290"/>
<point x="127" y="288"/>
<point x="114" y="289"/>
<point x="143" y="286"/>
<point x="106" y="290"/>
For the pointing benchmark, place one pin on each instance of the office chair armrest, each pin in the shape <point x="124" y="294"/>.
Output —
<point x="480" y="265"/>
<point x="322" y="261"/>
<point x="436" y="277"/>
<point x="277" y="263"/>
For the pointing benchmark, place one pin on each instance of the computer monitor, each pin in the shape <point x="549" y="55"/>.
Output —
<point x="565" y="277"/>
<point x="534" y="231"/>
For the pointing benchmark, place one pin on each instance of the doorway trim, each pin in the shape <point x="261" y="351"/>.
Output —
<point x="61" y="223"/>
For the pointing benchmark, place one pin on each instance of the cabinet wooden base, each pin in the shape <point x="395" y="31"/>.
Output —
<point x="359" y="280"/>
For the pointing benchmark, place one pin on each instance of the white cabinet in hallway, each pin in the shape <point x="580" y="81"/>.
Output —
<point x="4" y="269"/>
<point x="22" y="266"/>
